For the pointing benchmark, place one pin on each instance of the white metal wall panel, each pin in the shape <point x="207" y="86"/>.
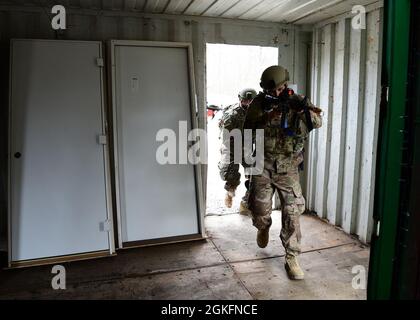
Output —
<point x="311" y="155"/>
<point x="58" y="194"/>
<point x="341" y="188"/>
<point x="370" y="124"/>
<point x="354" y="124"/>
<point x="324" y="136"/>
<point x="152" y="92"/>
<point x="339" y="114"/>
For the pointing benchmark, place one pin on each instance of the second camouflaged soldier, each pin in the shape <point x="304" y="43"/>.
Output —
<point x="287" y="119"/>
<point x="233" y="118"/>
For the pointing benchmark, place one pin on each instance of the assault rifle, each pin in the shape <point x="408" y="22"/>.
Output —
<point x="282" y="103"/>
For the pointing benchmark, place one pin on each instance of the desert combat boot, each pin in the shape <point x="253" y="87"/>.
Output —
<point x="293" y="269"/>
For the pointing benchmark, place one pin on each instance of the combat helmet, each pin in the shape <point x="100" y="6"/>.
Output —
<point x="247" y="94"/>
<point x="274" y="77"/>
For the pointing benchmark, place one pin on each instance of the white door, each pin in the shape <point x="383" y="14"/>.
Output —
<point x="58" y="176"/>
<point x="152" y="92"/>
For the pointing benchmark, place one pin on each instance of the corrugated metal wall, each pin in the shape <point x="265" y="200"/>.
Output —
<point x="342" y="154"/>
<point x="35" y="23"/>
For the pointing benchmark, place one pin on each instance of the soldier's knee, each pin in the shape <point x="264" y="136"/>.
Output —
<point x="294" y="210"/>
<point x="290" y="209"/>
<point x="261" y="222"/>
<point x="260" y="200"/>
<point x="300" y="204"/>
<point x="260" y="208"/>
<point x="294" y="205"/>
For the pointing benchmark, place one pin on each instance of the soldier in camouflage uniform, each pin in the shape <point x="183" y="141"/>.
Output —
<point x="233" y="118"/>
<point x="283" y="154"/>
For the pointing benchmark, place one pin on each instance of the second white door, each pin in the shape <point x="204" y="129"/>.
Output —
<point x="152" y="92"/>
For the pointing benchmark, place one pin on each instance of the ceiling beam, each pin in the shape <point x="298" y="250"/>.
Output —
<point x="130" y="5"/>
<point x="317" y="10"/>
<point x="233" y="5"/>
<point x="188" y="6"/>
<point x="211" y="5"/>
<point x="281" y="4"/>
<point x="249" y="9"/>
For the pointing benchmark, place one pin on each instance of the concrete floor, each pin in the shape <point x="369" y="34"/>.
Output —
<point x="227" y="265"/>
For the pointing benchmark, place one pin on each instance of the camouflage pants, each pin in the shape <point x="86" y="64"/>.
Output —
<point x="262" y="188"/>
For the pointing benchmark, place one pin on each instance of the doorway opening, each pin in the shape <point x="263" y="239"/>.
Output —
<point x="230" y="68"/>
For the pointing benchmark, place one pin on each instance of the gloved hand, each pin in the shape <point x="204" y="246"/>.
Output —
<point x="228" y="198"/>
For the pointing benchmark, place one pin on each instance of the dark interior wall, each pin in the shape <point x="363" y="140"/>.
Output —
<point x="35" y="23"/>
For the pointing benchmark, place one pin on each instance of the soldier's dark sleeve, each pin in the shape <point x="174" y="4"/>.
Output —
<point x="253" y="115"/>
<point x="315" y="117"/>
<point x="228" y="169"/>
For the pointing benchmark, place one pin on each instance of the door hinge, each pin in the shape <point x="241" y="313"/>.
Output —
<point x="378" y="228"/>
<point x="102" y="139"/>
<point x="105" y="226"/>
<point x="100" y="62"/>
